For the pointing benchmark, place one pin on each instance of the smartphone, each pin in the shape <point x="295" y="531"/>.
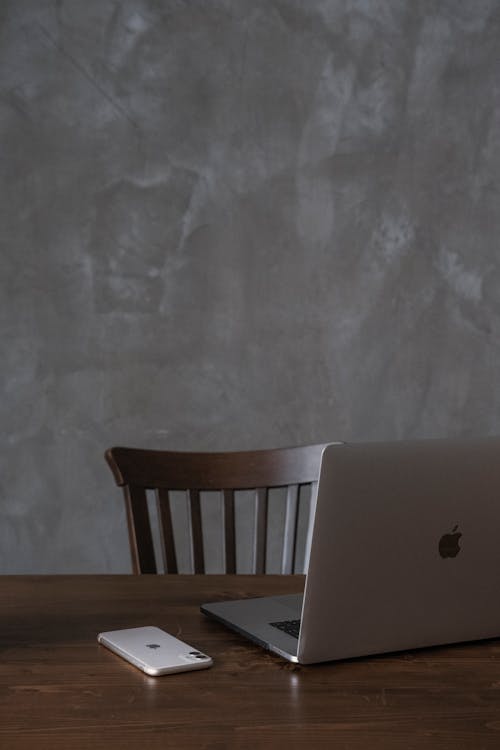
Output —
<point x="154" y="651"/>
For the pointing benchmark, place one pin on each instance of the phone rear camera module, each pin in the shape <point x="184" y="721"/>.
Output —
<point x="194" y="653"/>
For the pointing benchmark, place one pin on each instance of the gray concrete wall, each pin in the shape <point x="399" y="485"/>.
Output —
<point x="236" y="224"/>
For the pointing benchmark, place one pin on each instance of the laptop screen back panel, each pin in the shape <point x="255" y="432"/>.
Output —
<point x="378" y="579"/>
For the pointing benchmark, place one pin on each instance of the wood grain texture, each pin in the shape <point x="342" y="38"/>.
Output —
<point x="59" y="689"/>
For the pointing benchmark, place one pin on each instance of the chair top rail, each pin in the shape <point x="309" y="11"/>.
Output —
<point x="177" y="470"/>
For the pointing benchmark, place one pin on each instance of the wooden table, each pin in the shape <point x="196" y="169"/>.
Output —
<point x="60" y="690"/>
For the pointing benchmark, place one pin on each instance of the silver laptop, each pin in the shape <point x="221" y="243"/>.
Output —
<point x="405" y="554"/>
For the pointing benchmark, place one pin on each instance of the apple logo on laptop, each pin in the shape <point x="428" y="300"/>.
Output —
<point x="152" y="645"/>
<point x="448" y="544"/>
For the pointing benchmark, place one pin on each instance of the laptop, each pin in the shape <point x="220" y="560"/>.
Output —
<point x="405" y="553"/>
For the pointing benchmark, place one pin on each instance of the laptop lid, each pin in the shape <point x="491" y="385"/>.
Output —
<point x="405" y="550"/>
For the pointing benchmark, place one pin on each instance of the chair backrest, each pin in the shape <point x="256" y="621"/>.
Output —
<point x="137" y="470"/>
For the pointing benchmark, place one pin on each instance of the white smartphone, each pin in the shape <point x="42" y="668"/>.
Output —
<point x="154" y="651"/>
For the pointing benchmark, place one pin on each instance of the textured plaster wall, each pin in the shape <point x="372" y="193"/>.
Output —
<point x="236" y="224"/>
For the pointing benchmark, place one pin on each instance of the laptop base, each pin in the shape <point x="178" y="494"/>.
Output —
<point x="252" y="618"/>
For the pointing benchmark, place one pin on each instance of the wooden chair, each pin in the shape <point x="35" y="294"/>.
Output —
<point x="138" y="470"/>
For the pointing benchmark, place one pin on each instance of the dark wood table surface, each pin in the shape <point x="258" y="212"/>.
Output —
<point x="60" y="690"/>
